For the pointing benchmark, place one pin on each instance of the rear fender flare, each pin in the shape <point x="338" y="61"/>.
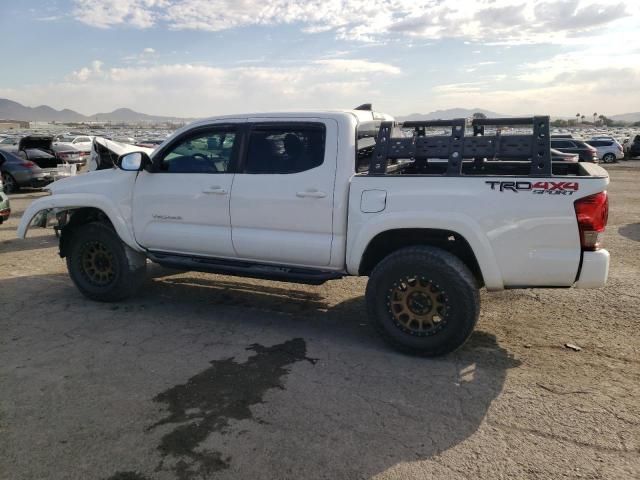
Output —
<point x="460" y="224"/>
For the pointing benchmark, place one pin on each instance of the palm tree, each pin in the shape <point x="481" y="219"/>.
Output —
<point x="577" y="118"/>
<point x="582" y="118"/>
<point x="595" y="115"/>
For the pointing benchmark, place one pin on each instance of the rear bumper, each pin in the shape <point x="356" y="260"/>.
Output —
<point x="595" y="270"/>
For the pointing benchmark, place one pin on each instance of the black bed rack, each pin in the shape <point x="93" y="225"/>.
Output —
<point x="534" y="147"/>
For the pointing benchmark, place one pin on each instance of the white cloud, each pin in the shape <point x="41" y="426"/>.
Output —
<point x="145" y="57"/>
<point x="201" y="90"/>
<point x="606" y="90"/>
<point x="108" y="13"/>
<point x="340" y="65"/>
<point x="505" y="21"/>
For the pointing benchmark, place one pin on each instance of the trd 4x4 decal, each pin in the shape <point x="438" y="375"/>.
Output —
<point x="540" y="188"/>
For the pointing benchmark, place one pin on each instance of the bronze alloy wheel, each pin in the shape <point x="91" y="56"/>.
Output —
<point x="98" y="263"/>
<point x="418" y="306"/>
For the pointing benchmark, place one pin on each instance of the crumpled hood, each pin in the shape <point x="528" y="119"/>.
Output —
<point x="87" y="182"/>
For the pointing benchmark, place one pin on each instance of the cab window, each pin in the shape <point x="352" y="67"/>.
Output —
<point x="286" y="149"/>
<point x="205" y="152"/>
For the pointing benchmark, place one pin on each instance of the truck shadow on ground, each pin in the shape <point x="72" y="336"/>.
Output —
<point x="355" y="410"/>
<point x="430" y="406"/>
<point x="29" y="243"/>
<point x="631" y="231"/>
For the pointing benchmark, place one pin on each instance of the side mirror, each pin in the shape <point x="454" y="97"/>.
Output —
<point x="134" y="161"/>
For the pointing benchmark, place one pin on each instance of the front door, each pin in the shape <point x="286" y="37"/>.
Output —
<point x="183" y="205"/>
<point x="282" y="196"/>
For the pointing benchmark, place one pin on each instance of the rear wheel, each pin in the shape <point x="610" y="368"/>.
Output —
<point x="101" y="266"/>
<point x="10" y="184"/>
<point x="423" y="301"/>
<point x="609" y="158"/>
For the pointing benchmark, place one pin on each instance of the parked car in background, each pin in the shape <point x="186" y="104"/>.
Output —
<point x="18" y="172"/>
<point x="82" y="142"/>
<point x="40" y="157"/>
<point x="634" y="147"/>
<point x="149" y="142"/>
<point x="72" y="149"/>
<point x="5" y="204"/>
<point x="38" y="149"/>
<point x="558" y="156"/>
<point x="609" y="150"/>
<point x="586" y="152"/>
<point x="8" y="141"/>
<point x="121" y="139"/>
<point x="73" y="156"/>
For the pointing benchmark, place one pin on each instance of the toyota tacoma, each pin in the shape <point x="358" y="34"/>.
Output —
<point x="430" y="211"/>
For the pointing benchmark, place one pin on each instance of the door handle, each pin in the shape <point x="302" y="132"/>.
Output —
<point x="311" y="194"/>
<point x="215" y="191"/>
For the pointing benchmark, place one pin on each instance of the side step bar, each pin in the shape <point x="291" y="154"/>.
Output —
<point x="244" y="269"/>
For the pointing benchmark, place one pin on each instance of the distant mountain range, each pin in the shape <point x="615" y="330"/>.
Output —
<point x="10" y="110"/>
<point x="626" y="117"/>
<point x="449" y="114"/>
<point x="468" y="112"/>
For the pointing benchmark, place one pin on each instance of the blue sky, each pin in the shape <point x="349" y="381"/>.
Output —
<point x="202" y="57"/>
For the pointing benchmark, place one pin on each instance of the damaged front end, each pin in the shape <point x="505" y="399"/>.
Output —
<point x="56" y="218"/>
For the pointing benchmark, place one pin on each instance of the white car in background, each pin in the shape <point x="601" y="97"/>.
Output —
<point x="72" y="148"/>
<point x="609" y="149"/>
<point x="80" y="142"/>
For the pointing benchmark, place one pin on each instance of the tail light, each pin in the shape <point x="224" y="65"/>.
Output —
<point x="620" y="148"/>
<point x="592" y="213"/>
<point x="28" y="164"/>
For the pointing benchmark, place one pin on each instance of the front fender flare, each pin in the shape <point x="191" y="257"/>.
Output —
<point x="70" y="201"/>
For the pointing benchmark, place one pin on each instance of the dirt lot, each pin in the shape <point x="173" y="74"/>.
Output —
<point x="204" y="376"/>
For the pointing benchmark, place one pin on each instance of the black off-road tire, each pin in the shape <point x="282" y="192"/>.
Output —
<point x="442" y="272"/>
<point x="126" y="268"/>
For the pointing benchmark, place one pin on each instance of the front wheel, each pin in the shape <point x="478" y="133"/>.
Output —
<point x="423" y="301"/>
<point x="101" y="265"/>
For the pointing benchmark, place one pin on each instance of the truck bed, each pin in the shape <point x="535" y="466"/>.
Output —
<point x="521" y="226"/>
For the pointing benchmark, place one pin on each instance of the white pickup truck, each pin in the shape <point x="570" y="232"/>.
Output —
<point x="428" y="211"/>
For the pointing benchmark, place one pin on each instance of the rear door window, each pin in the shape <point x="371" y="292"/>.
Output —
<point x="285" y="149"/>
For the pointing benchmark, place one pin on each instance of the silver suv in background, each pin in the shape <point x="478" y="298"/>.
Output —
<point x="609" y="149"/>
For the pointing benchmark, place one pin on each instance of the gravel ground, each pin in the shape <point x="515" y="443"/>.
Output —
<point x="205" y="376"/>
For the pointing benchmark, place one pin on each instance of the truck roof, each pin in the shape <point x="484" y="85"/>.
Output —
<point x="361" y="115"/>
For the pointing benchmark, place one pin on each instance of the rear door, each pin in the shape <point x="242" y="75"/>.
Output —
<point x="282" y="196"/>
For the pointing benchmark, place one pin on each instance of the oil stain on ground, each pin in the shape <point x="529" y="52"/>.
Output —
<point x="128" y="476"/>
<point x="209" y="400"/>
